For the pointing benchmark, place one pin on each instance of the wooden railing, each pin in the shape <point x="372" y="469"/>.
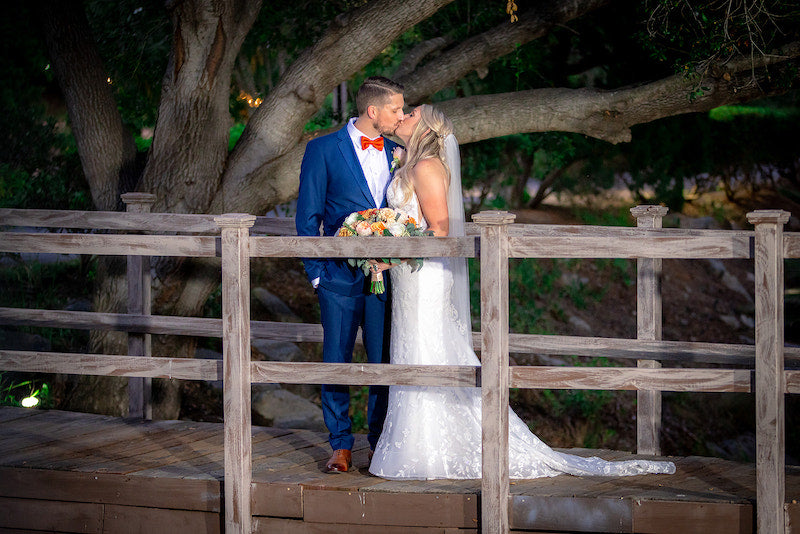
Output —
<point x="498" y="240"/>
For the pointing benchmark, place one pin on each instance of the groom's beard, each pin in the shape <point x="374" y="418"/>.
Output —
<point x="383" y="129"/>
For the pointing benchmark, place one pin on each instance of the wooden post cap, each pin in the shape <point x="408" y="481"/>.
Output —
<point x="138" y="198"/>
<point x="235" y="220"/>
<point x="493" y="218"/>
<point x="768" y="216"/>
<point x="649" y="211"/>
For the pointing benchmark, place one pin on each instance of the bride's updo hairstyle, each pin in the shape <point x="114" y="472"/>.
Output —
<point x="427" y="141"/>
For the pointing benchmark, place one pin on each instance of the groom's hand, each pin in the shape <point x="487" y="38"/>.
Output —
<point x="379" y="266"/>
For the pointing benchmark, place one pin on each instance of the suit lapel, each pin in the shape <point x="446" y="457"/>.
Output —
<point x="350" y="158"/>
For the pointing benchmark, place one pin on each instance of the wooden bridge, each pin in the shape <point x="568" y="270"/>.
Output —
<point x="71" y="472"/>
<point x="49" y="459"/>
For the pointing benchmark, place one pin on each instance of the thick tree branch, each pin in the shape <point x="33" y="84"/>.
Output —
<point x="106" y="148"/>
<point x="350" y="43"/>
<point x="607" y="115"/>
<point x="414" y="56"/>
<point x="478" y="51"/>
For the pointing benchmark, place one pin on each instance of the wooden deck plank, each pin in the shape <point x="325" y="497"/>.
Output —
<point x="396" y="509"/>
<point x="36" y="514"/>
<point x="206" y="462"/>
<point x="43" y="427"/>
<point x="11" y="413"/>
<point x="84" y="446"/>
<point x="665" y="517"/>
<point x="131" y="519"/>
<point x="264" y="525"/>
<point x="130" y="455"/>
<point x="571" y="514"/>
<point x="103" y="488"/>
<point x="177" y="465"/>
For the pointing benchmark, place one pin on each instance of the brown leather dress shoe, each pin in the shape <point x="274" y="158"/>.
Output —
<point x="340" y="462"/>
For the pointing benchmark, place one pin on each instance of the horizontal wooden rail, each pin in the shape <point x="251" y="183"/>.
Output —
<point x="580" y="230"/>
<point x="109" y="365"/>
<point x="657" y="246"/>
<point x="110" y="245"/>
<point x="356" y="374"/>
<point x="123" y="322"/>
<point x="538" y="377"/>
<point x="791" y="245"/>
<point x="632" y="378"/>
<point x="677" y="351"/>
<point x="326" y="247"/>
<point x="621" y="348"/>
<point x="144" y="222"/>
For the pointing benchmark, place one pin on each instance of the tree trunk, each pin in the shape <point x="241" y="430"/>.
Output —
<point x="106" y="148"/>
<point x="190" y="142"/>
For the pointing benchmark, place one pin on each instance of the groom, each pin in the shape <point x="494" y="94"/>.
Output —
<point x="343" y="172"/>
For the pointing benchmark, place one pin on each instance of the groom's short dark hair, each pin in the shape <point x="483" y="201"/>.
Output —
<point x="376" y="91"/>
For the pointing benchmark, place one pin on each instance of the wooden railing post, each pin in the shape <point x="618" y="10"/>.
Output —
<point x="648" y="327"/>
<point x="770" y="378"/>
<point x="236" y="369"/>
<point x="139" y="302"/>
<point x="494" y="370"/>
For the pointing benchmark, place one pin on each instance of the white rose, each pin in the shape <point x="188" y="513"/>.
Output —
<point x="397" y="229"/>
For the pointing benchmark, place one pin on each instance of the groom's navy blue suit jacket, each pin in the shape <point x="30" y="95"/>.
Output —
<point x="332" y="186"/>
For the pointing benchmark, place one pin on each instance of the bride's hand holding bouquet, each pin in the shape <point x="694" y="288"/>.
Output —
<point x="380" y="222"/>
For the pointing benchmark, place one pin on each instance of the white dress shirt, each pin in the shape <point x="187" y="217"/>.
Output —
<point x="373" y="163"/>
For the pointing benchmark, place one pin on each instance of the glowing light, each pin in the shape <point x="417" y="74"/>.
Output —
<point x="109" y="80"/>
<point x="252" y="102"/>
<point x="29" y="402"/>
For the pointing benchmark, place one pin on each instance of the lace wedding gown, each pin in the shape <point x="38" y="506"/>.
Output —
<point x="435" y="432"/>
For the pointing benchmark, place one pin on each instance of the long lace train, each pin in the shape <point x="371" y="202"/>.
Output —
<point x="435" y="432"/>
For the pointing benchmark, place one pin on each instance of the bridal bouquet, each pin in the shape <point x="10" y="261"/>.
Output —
<point x="380" y="222"/>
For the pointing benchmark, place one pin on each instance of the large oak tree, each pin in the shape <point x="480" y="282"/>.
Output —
<point x="190" y="169"/>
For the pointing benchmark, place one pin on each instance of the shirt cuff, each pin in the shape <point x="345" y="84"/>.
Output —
<point x="315" y="282"/>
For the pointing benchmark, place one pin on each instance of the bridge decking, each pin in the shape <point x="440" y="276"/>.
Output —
<point x="74" y="472"/>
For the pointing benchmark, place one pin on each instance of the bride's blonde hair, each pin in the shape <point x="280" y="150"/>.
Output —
<point x="427" y="141"/>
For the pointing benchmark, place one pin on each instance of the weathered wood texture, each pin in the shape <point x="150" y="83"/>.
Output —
<point x="769" y="386"/>
<point x="139" y="303"/>
<point x="236" y="380"/>
<point x="344" y="247"/>
<point x="661" y="246"/>
<point x="154" y="222"/>
<point x="360" y="374"/>
<point x="539" y="377"/>
<point x="494" y="378"/>
<point x="87" y="469"/>
<point x="627" y="378"/>
<point x="791" y="245"/>
<point x="648" y="327"/>
<point x="109" y="365"/>
<point x="677" y="351"/>
<point x="110" y="245"/>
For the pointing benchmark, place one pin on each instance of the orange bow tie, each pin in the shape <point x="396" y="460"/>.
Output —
<point x="366" y="143"/>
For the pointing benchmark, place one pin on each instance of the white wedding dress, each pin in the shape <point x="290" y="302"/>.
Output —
<point x="435" y="432"/>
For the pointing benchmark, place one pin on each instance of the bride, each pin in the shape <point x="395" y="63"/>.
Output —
<point x="435" y="432"/>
